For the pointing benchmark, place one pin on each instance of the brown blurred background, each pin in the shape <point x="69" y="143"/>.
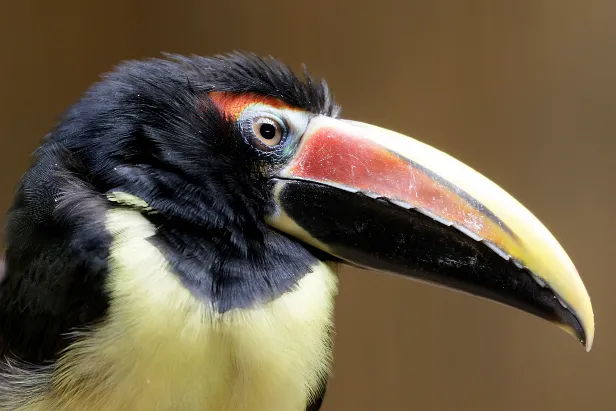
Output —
<point x="524" y="91"/>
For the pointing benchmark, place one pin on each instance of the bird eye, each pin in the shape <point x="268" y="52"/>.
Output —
<point x="268" y="130"/>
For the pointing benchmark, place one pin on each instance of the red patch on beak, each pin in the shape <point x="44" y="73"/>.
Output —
<point x="343" y="159"/>
<point x="346" y="159"/>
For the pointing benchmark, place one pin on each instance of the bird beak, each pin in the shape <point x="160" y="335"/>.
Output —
<point x="387" y="202"/>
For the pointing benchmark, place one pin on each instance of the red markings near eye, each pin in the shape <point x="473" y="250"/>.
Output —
<point x="231" y="105"/>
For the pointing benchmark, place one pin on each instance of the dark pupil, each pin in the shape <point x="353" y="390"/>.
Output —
<point x="268" y="131"/>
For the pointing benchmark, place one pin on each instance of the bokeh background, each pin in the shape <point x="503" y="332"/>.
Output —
<point x="524" y="91"/>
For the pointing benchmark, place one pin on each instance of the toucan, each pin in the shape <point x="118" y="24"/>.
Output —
<point x="174" y="243"/>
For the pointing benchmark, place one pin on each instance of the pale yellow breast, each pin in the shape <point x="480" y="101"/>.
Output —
<point x="162" y="349"/>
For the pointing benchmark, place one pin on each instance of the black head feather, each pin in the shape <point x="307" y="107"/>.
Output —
<point x="150" y="130"/>
<point x="248" y="73"/>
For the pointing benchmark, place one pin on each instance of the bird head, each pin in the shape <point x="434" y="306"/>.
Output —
<point x="250" y="176"/>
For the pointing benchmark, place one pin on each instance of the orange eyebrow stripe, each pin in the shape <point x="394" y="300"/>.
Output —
<point x="231" y="105"/>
